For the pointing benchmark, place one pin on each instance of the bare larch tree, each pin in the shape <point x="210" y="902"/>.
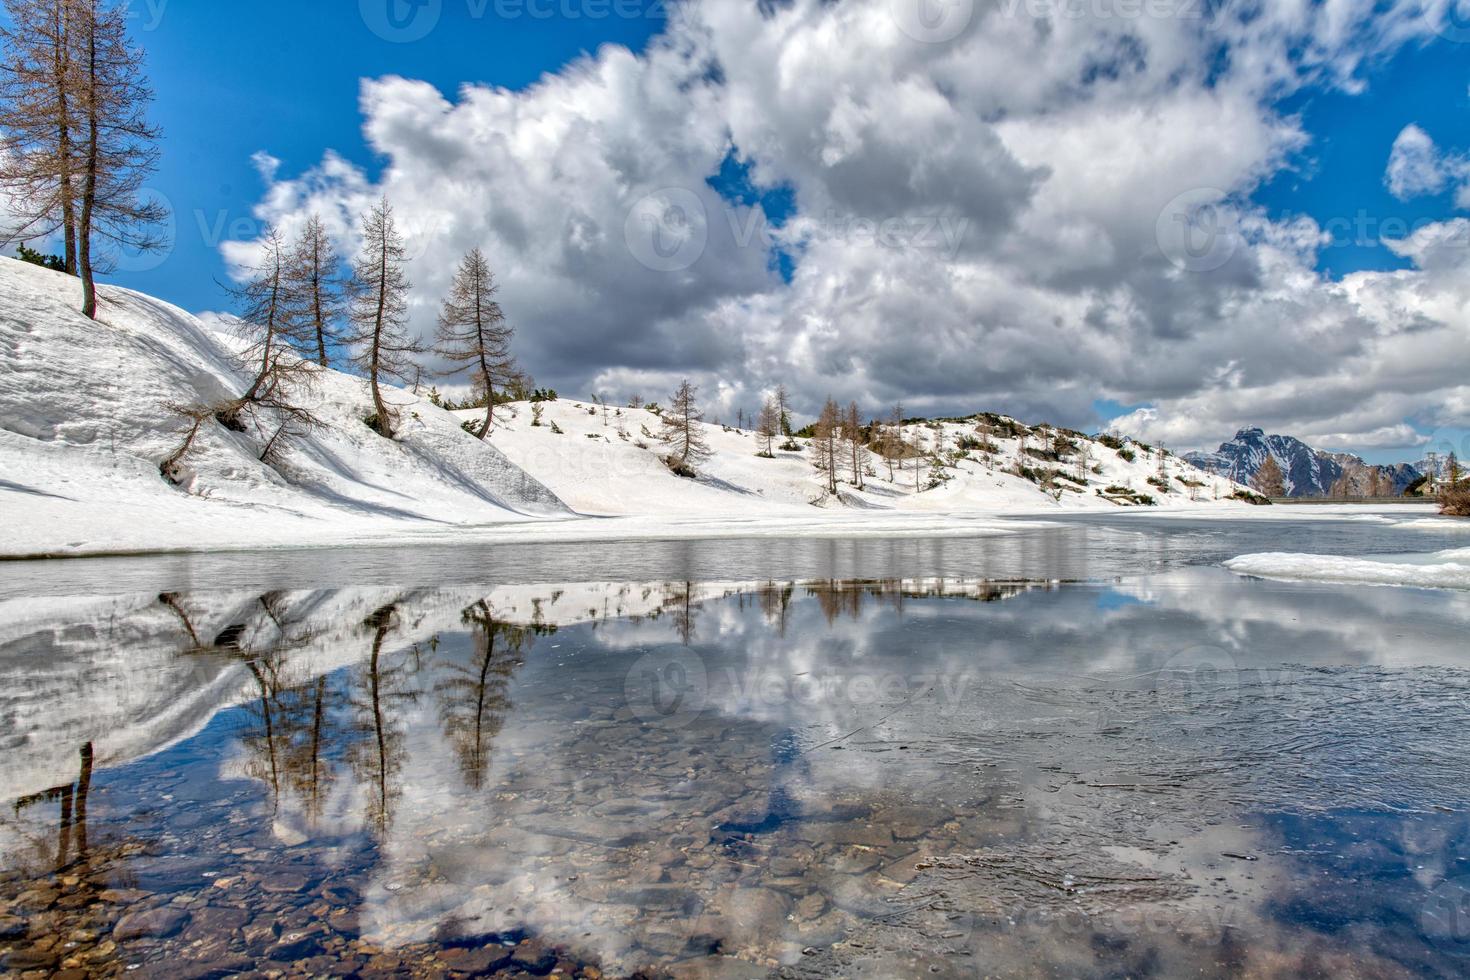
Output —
<point x="273" y="324"/>
<point x="768" y="426"/>
<point x="891" y="444"/>
<point x="119" y="147"/>
<point x="681" y="431"/>
<point x="783" y="411"/>
<point x="1269" y="481"/>
<point x="38" y="121"/>
<point x="473" y="334"/>
<point x="314" y="273"/>
<point x="858" y="455"/>
<point x="827" y="444"/>
<point x="378" y="312"/>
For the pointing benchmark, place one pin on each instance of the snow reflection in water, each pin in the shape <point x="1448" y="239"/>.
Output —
<point x="1183" y="773"/>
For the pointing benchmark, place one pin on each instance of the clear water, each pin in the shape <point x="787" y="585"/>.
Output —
<point x="1078" y="750"/>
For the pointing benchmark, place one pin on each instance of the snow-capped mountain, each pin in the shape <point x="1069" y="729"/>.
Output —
<point x="1307" y="472"/>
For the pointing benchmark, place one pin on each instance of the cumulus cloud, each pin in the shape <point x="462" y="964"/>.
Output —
<point x="1417" y="167"/>
<point x="1042" y="206"/>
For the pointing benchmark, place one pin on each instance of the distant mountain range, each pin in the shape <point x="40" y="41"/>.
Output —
<point x="1307" y="472"/>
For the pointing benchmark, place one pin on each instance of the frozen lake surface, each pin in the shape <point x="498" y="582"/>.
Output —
<point x="1078" y="749"/>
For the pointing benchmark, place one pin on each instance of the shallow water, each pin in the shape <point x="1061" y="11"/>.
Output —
<point x="1081" y="750"/>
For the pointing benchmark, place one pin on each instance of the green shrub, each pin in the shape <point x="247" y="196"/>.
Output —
<point x="29" y="255"/>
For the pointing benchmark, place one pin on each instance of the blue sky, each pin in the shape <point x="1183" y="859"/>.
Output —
<point x="232" y="79"/>
<point x="1339" y="178"/>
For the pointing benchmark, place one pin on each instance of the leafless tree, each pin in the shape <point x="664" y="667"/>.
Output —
<point x="1268" y="480"/>
<point x="39" y="120"/>
<point x="768" y="426"/>
<point x="316" y="282"/>
<point x="783" y="410"/>
<point x="890" y="443"/>
<point x="681" y="430"/>
<point x="474" y="697"/>
<point x="826" y="447"/>
<point x="119" y="147"/>
<point x="473" y="334"/>
<point x="274" y="352"/>
<point x="378" y="312"/>
<point x="858" y="454"/>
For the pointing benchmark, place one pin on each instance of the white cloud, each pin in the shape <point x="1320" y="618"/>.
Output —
<point x="978" y="221"/>
<point x="1416" y="167"/>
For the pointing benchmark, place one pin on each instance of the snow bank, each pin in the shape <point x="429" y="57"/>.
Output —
<point x="85" y="423"/>
<point x="1438" y="570"/>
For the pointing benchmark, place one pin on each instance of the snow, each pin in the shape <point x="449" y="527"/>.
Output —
<point x="85" y="421"/>
<point x="609" y="464"/>
<point x="1436" y="570"/>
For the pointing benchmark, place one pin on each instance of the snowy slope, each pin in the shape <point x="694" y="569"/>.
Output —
<point x="610" y="465"/>
<point x="84" y="424"/>
<point x="85" y="421"/>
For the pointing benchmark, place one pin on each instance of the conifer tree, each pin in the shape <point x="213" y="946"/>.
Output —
<point x="119" y="147"/>
<point x="39" y="120"/>
<point x="681" y="430"/>
<point x="783" y="410"/>
<point x="826" y="447"/>
<point x="1268" y="480"/>
<point x="378" y="313"/>
<point x="316" y="285"/>
<point x="858" y="455"/>
<point x="473" y="334"/>
<point x="273" y="352"/>
<point x="891" y="444"/>
<point x="768" y="426"/>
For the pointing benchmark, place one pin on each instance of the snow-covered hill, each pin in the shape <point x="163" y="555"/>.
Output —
<point x="88" y="412"/>
<point x="608" y="462"/>
<point x="85" y="422"/>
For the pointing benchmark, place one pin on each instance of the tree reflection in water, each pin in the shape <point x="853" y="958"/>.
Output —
<point x="474" y="699"/>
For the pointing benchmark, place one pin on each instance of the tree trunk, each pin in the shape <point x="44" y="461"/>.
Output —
<point x="89" y="189"/>
<point x="63" y="142"/>
<point x="385" y="425"/>
<point x="484" y="364"/>
<point x="84" y="790"/>
<point x="316" y="310"/>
